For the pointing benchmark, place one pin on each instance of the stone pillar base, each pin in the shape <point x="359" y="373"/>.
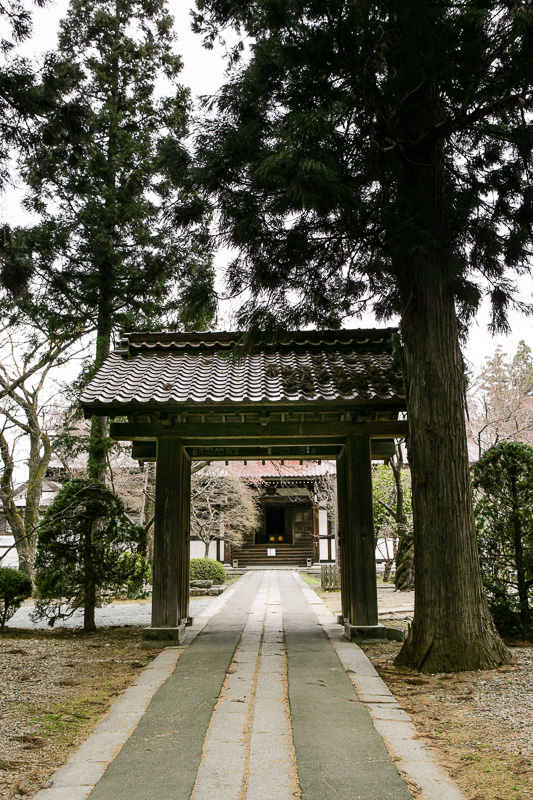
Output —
<point x="378" y="632"/>
<point x="156" y="638"/>
<point x="341" y="620"/>
<point x="187" y="621"/>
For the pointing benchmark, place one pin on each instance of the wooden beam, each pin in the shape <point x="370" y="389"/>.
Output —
<point x="241" y="433"/>
<point x="146" y="451"/>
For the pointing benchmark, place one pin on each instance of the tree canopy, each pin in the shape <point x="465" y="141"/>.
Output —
<point x="103" y="256"/>
<point x="309" y="151"/>
<point x="500" y="400"/>
<point x="103" y="253"/>
<point x="223" y="506"/>
<point x="25" y="94"/>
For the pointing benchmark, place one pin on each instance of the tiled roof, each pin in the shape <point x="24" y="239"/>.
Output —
<point x="277" y="470"/>
<point x="177" y="370"/>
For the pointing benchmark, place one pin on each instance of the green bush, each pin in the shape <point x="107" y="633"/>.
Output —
<point x="503" y="481"/>
<point x="205" y="569"/>
<point x="15" y="587"/>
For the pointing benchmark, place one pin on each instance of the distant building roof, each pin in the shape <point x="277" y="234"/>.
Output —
<point x="163" y="371"/>
<point x="271" y="470"/>
<point x="49" y="490"/>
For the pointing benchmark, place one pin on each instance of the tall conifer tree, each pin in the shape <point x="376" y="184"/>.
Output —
<point x="23" y="96"/>
<point x="104" y="257"/>
<point x="379" y="153"/>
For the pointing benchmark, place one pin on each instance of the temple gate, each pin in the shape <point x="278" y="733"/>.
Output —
<point x="307" y="395"/>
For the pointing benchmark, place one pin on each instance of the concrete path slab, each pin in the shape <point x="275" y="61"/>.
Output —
<point x="264" y="701"/>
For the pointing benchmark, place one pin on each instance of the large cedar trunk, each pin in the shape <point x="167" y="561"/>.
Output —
<point x="452" y="628"/>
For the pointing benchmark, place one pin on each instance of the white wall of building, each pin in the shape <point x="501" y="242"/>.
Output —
<point x="11" y="559"/>
<point x="198" y="549"/>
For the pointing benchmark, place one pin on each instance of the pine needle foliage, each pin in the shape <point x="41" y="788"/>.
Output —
<point x="305" y="153"/>
<point x="26" y="93"/>
<point x="104" y="258"/>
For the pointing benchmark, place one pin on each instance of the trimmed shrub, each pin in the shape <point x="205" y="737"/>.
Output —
<point x="205" y="569"/>
<point x="15" y="587"/>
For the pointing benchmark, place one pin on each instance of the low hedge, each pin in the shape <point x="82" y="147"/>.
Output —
<point x="205" y="569"/>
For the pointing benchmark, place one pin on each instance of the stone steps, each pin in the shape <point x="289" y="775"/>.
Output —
<point x="286" y="554"/>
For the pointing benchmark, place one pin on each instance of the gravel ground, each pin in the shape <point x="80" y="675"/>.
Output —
<point x="130" y="614"/>
<point x="506" y="698"/>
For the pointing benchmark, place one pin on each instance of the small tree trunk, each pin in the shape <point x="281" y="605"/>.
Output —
<point x="40" y="454"/>
<point x="386" y="571"/>
<point x="148" y="508"/>
<point x="89" y="623"/>
<point x="15" y="519"/>
<point x="206" y="545"/>
<point x="521" y="579"/>
<point x="404" y="578"/>
<point x="26" y="556"/>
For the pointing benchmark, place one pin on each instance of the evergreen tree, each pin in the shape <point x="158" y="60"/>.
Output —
<point x="88" y="551"/>
<point x="379" y="153"/>
<point x="104" y="258"/>
<point x="24" y="95"/>
<point x="503" y="478"/>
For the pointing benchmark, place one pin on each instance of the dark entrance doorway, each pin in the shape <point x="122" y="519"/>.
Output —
<point x="275" y="526"/>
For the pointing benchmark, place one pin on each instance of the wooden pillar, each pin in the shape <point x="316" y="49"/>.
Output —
<point x="170" y="596"/>
<point x="359" y="540"/>
<point x="184" y="539"/>
<point x="341" y="538"/>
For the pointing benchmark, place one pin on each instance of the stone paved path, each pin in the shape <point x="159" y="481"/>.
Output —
<point x="266" y="702"/>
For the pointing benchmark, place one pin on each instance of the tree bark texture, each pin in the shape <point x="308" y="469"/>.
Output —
<point x="404" y="577"/>
<point x="24" y="524"/>
<point x="99" y="425"/>
<point x="452" y="628"/>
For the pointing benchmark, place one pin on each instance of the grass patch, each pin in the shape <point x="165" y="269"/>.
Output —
<point x="312" y="580"/>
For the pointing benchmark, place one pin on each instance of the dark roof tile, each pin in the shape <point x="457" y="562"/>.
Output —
<point x="321" y="366"/>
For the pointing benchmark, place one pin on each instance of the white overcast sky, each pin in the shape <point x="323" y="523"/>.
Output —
<point x="203" y="73"/>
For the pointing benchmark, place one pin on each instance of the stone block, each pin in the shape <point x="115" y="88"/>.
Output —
<point x="366" y="632"/>
<point x="158" y="638"/>
<point x="396" y="634"/>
